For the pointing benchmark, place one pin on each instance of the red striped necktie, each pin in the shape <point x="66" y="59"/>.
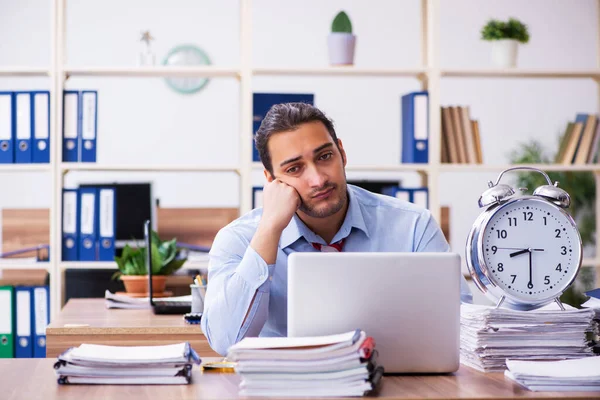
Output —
<point x="333" y="247"/>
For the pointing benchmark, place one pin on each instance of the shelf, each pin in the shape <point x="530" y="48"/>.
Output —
<point x="340" y="71"/>
<point x="501" y="167"/>
<point x="147" y="168"/>
<point x="520" y="73"/>
<point x="113" y="265"/>
<point x="24" y="168"/>
<point x="24" y="71"/>
<point x="374" y="167"/>
<point x="24" y="265"/>
<point x="153" y="71"/>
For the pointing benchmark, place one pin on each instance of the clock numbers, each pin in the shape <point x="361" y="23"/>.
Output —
<point x="559" y="268"/>
<point x="494" y="249"/>
<point x="530" y="285"/>
<point x="545" y="221"/>
<point x="547" y="280"/>
<point x="514" y="277"/>
<point x="500" y="267"/>
<point x="502" y="234"/>
<point x="528" y="215"/>
<point x="512" y="221"/>
<point x="563" y="250"/>
<point x="557" y="231"/>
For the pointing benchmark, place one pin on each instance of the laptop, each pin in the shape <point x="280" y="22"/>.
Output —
<point x="161" y="306"/>
<point x="408" y="302"/>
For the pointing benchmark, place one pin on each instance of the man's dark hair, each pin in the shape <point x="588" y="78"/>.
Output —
<point x="287" y="117"/>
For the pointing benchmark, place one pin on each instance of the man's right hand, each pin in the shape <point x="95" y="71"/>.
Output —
<point x="280" y="202"/>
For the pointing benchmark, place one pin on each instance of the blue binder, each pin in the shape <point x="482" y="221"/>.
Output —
<point x="88" y="227"/>
<point x="398" y="192"/>
<point x="40" y="313"/>
<point x="89" y="125"/>
<point x="22" y="127"/>
<point x="415" y="128"/>
<point x="107" y="212"/>
<point x="23" y="321"/>
<point x="70" y="221"/>
<point x="6" y="128"/>
<point x="257" y="196"/>
<point x="40" y="126"/>
<point x="71" y="126"/>
<point x="262" y="103"/>
<point x="420" y="196"/>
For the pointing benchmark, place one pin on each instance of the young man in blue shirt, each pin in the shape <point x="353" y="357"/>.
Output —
<point x="307" y="206"/>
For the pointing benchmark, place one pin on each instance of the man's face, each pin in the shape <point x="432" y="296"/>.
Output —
<point x="309" y="160"/>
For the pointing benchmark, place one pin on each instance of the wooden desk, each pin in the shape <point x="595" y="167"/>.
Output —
<point x="119" y="327"/>
<point x="32" y="379"/>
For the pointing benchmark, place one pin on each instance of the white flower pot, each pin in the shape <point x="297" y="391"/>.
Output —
<point x="504" y="53"/>
<point x="341" y="48"/>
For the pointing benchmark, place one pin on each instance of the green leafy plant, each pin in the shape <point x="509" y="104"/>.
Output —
<point x="512" y="29"/>
<point x="341" y="23"/>
<point x="165" y="259"/>
<point x="581" y="186"/>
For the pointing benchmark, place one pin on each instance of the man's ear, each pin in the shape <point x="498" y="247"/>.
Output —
<point x="342" y="151"/>
<point x="268" y="176"/>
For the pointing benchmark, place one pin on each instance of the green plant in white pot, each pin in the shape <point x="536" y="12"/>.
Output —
<point x="505" y="38"/>
<point x="341" y="42"/>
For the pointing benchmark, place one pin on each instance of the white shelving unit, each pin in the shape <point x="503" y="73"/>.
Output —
<point x="429" y="75"/>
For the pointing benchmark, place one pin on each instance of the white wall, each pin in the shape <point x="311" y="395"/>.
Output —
<point x="143" y="121"/>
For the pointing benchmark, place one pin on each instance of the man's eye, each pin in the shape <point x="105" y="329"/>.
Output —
<point x="292" y="170"/>
<point x="326" y="156"/>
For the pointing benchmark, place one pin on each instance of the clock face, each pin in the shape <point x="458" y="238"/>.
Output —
<point x="182" y="56"/>
<point x="531" y="248"/>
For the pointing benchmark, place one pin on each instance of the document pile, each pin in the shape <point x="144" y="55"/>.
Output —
<point x="489" y="335"/>
<point x="593" y="302"/>
<point x="126" y="365"/>
<point x="334" y="365"/>
<point x="556" y="376"/>
<point x="137" y="303"/>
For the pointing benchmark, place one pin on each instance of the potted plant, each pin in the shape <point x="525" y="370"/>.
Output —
<point x="505" y="38"/>
<point x="132" y="265"/>
<point x="341" y="42"/>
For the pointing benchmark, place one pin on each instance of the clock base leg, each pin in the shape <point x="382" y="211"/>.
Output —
<point x="560" y="304"/>
<point x="500" y="301"/>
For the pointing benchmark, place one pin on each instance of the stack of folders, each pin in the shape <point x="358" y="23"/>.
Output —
<point x="556" y="376"/>
<point x="121" y="301"/>
<point x="334" y="365"/>
<point x="490" y="335"/>
<point x="127" y="365"/>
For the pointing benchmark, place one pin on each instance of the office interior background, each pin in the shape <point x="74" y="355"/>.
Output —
<point x="142" y="121"/>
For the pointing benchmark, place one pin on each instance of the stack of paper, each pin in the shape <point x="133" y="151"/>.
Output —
<point x="126" y="365"/>
<point x="133" y="303"/>
<point x="490" y="335"/>
<point x="556" y="376"/>
<point x="335" y="365"/>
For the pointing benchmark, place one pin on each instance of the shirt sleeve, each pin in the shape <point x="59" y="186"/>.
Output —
<point x="429" y="237"/>
<point x="236" y="272"/>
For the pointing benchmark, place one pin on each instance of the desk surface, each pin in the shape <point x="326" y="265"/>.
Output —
<point x="89" y="321"/>
<point x="35" y="379"/>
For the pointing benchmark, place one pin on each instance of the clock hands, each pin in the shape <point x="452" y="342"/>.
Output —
<point x="530" y="284"/>
<point x="522" y="251"/>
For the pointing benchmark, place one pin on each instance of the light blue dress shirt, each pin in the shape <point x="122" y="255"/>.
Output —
<point x="236" y="272"/>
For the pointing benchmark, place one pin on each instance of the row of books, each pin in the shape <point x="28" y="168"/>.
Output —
<point x="332" y="365"/>
<point x="461" y="139"/>
<point x="418" y="195"/>
<point x="24" y="316"/>
<point x="580" y="143"/>
<point x="89" y="224"/>
<point x="24" y="127"/>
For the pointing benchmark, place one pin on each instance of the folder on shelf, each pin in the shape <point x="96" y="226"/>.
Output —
<point x="6" y="322"/>
<point x="420" y="196"/>
<point x="23" y="313"/>
<point x="71" y="126"/>
<point x="106" y="224"/>
<point x="22" y="127"/>
<point x="415" y="127"/>
<point x="398" y="192"/>
<point x="40" y="111"/>
<point x="262" y="103"/>
<point x="257" y="196"/>
<point x="87" y="224"/>
<point x="6" y="128"/>
<point x="70" y="239"/>
<point x="89" y="125"/>
<point x="41" y="317"/>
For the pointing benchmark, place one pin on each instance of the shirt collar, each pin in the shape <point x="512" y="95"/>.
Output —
<point x="354" y="219"/>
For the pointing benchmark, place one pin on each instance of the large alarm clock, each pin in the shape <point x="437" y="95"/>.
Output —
<point x="524" y="251"/>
